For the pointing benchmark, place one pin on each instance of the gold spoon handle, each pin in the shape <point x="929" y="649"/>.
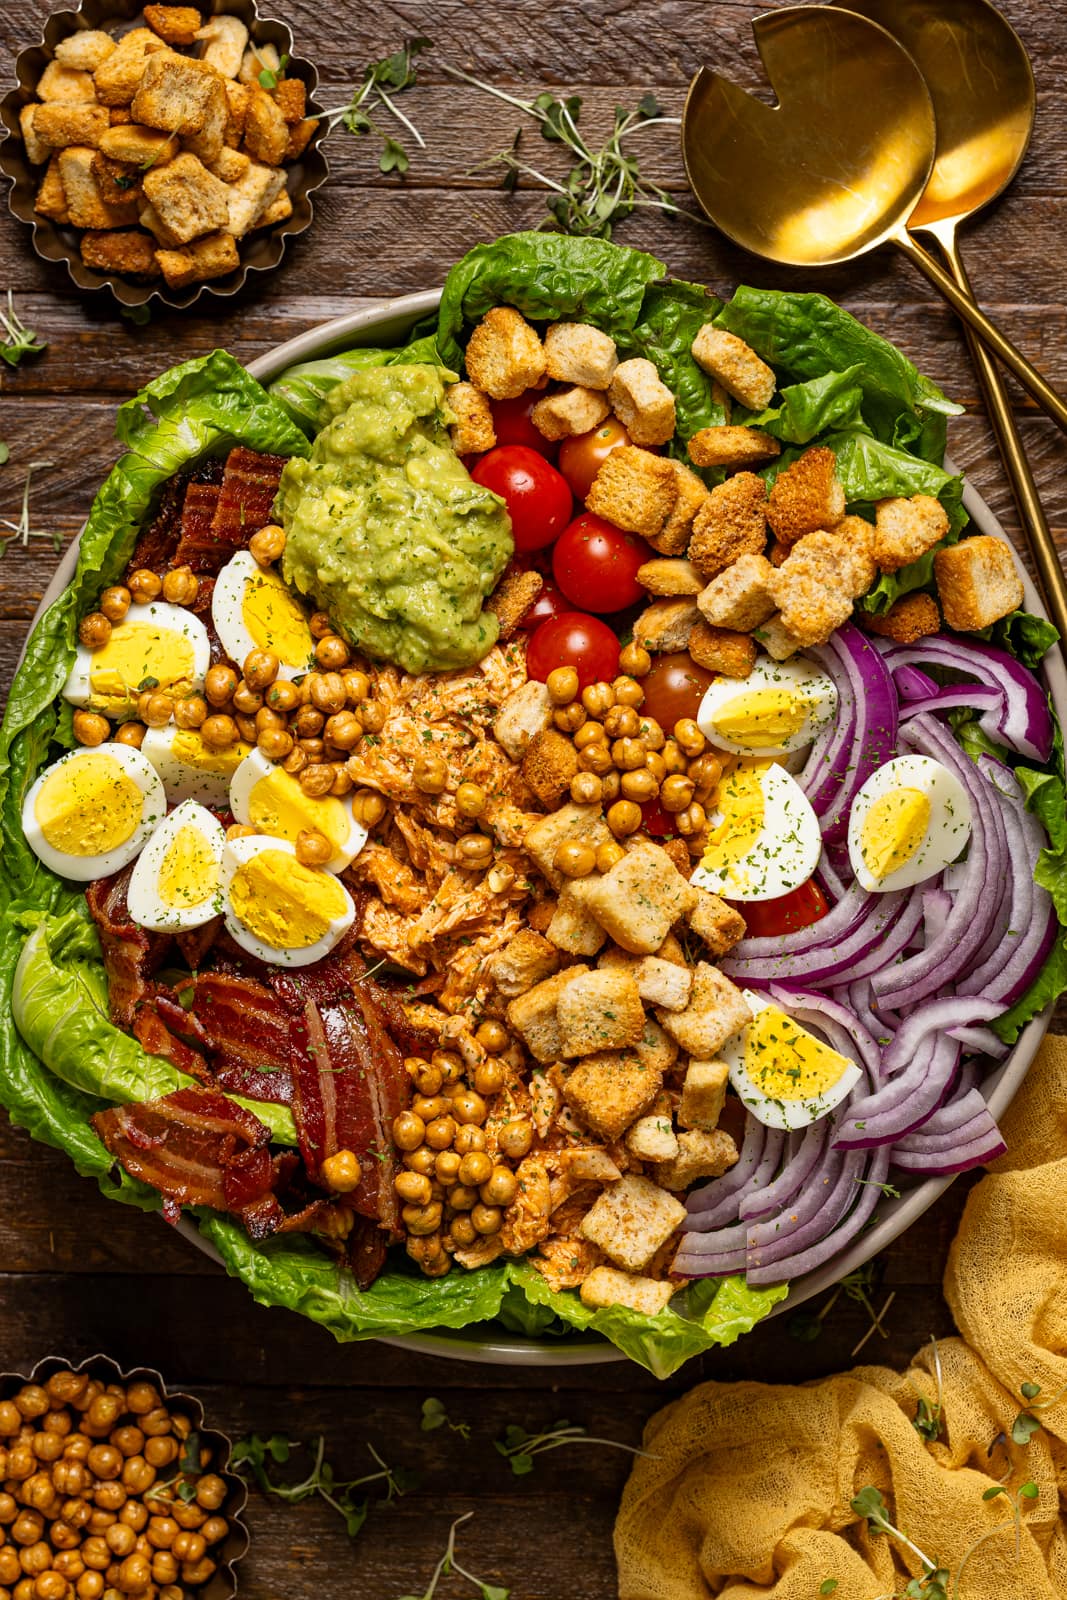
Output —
<point x="963" y="304"/>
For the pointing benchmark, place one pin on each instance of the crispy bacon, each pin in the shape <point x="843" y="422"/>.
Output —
<point x="368" y="1246"/>
<point x="219" y="516"/>
<point x="130" y="954"/>
<point x="158" y="543"/>
<point x="247" y="1030"/>
<point x="196" y="547"/>
<point x="194" y="943"/>
<point x="153" y="1031"/>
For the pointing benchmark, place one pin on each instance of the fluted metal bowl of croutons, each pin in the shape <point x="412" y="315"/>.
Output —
<point x="163" y="152"/>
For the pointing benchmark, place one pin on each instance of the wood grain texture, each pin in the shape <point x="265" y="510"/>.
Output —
<point x="78" y="1273"/>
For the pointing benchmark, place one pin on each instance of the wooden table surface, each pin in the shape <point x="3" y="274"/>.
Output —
<point x="79" y="1274"/>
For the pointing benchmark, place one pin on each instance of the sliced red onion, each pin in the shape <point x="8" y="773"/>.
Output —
<point x="936" y="905"/>
<point x="712" y="1255"/>
<point x="857" y="926"/>
<point x="1023" y="723"/>
<point x="911" y="684"/>
<point x="985" y="1146"/>
<point x="833" y="885"/>
<point x="803" y="1160"/>
<point x="857" y="996"/>
<point x="898" y="937"/>
<point x="716" y="1203"/>
<point x="974" y="696"/>
<point x="981" y="1042"/>
<point x="864" y="735"/>
<point x="808" y="1259"/>
<point x="774" y="1245"/>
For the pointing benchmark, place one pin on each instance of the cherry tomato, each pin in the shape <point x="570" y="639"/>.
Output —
<point x="574" y="640"/>
<point x="581" y="458"/>
<point x="657" y="822"/>
<point x="766" y="919"/>
<point x="550" y="603"/>
<point x="674" y="689"/>
<point x="512" y="424"/>
<point x="538" y="500"/>
<point x="595" y="564"/>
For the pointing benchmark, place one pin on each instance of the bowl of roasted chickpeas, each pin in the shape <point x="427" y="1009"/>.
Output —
<point x="111" y="1488"/>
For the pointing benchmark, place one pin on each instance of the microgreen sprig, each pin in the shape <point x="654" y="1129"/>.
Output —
<point x="21" y="532"/>
<point x="519" y="1448"/>
<point x="19" y="340"/>
<point x="255" y="1453"/>
<point x="927" y="1418"/>
<point x="380" y="82"/>
<point x="1027" y="1423"/>
<point x="269" y="76"/>
<point x="449" y="1563"/>
<point x="435" y="1416"/>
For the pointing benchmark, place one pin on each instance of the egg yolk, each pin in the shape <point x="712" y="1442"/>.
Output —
<point x="275" y="620"/>
<point x="89" y="806"/>
<point x="893" y="830"/>
<point x="762" y="718"/>
<point x="139" y="653"/>
<point x="284" y="904"/>
<point x="188" y="872"/>
<point x="188" y="748"/>
<point x="739" y="802"/>
<point x="785" y="1062"/>
<point x="278" y="806"/>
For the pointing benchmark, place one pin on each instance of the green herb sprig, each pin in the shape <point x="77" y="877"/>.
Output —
<point x="269" y="76"/>
<point x="380" y="82"/>
<point x="1027" y="1423"/>
<point x="927" y="1418"/>
<point x="450" y="1563"/>
<point x="435" y="1416"/>
<point x="19" y="340"/>
<point x="933" y="1585"/>
<point x="21" y="531"/>
<point x="255" y="1453"/>
<point x="520" y="1448"/>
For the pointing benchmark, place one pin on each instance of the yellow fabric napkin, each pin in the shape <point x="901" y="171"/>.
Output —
<point x="748" y="1488"/>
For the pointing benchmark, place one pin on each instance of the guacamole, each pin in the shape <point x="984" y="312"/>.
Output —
<point x="385" y="529"/>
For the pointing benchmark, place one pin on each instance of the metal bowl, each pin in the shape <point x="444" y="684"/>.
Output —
<point x="260" y="252"/>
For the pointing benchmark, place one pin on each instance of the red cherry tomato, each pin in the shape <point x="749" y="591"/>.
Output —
<point x="595" y="564"/>
<point x="512" y="423"/>
<point x="574" y="640"/>
<point x="581" y="458"/>
<point x="538" y="500"/>
<point x="673" y="689"/>
<point x="657" y="822"/>
<point x="550" y="603"/>
<point x="766" y="919"/>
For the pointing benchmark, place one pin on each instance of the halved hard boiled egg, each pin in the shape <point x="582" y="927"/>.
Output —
<point x="763" y="838"/>
<point x="276" y="908"/>
<point x="266" y="797"/>
<point x="910" y="820"/>
<point x="188" y="768"/>
<point x="89" y="813"/>
<point x="177" y="880"/>
<point x="786" y="1076"/>
<point x="156" y="646"/>
<point x="253" y="608"/>
<point x="781" y="706"/>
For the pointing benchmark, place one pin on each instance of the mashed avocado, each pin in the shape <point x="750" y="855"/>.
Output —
<point x="385" y="529"/>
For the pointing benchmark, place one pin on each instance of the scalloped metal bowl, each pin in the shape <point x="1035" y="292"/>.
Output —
<point x="390" y="323"/>
<point x="260" y="252"/>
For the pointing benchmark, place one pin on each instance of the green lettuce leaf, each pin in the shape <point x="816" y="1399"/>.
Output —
<point x="807" y="409"/>
<point x="303" y="388"/>
<point x="1046" y="988"/>
<point x="672" y="314"/>
<point x="1027" y="637"/>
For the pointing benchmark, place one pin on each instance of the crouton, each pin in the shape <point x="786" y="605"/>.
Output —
<point x="609" y="1090"/>
<point x="291" y="96"/>
<point x="116" y="180"/>
<point x="811" y="588"/>
<point x="739" y="599"/>
<point x="86" y="205"/>
<point x="472" y="429"/>
<point x="732" y="447"/>
<point x="666" y="625"/>
<point x="573" y="927"/>
<point x="806" y="496"/>
<point x="732" y="522"/>
<point x="640" y="899"/>
<point x="716" y="1011"/>
<point x="223" y="39"/>
<point x="229" y="166"/>
<point x="526" y="711"/>
<point x="978" y="582"/>
<point x="670" y="576"/>
<point x="700" y="1155"/>
<point x="655" y="1049"/>
<point x="642" y="402"/>
<point x="662" y="983"/>
<point x="860" y="569"/>
<point x="599" y="1011"/>
<point x="735" y="365"/>
<point x="570" y="412"/>
<point x="36" y="151"/>
<point x="51" y="198"/>
<point x="138" y="146"/>
<point x="119" y="115"/>
<point x="912" y="617"/>
<point x="703" y="1095"/>
<point x="776" y="639"/>
<point x="652" y="1138"/>
<point x="548" y="766"/>
<point x="719" y="925"/>
<point x="578" y="353"/>
<point x="86" y="50"/>
<point x="119" y="78"/>
<point x="180" y="96"/>
<point x="533" y="1014"/>
<point x="631" y="1221"/>
<point x="209" y="141"/>
<point x="238" y="96"/>
<point x="512" y="598"/>
<point x="583" y="824"/>
<point x="210" y="257"/>
<point x="119" y="250"/>
<point x="65" y="83"/>
<point x="250" y="197"/>
<point x="635" y="490"/>
<point x="174" y="24"/>
<point x="300" y="135"/>
<point x="187" y="198"/>
<point x="690" y="495"/>
<point x="279" y="210"/>
<point x="904" y="530"/>
<point x="504" y="357"/>
<point x="606" y="1287"/>
<point x="149" y="218"/>
<point x="525" y="961"/>
<point x="777" y="552"/>
<point x="722" y="650"/>
<point x="266" y="130"/>
<point x="259" y="58"/>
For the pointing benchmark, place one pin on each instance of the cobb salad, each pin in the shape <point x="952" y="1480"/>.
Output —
<point x="540" y="823"/>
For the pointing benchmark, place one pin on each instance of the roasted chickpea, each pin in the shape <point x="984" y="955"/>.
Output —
<point x="180" y="586"/>
<point x="110" y="1496"/>
<point x="342" y="1172"/>
<point x="487" y="1219"/>
<point x="689" y="737"/>
<point x="420" y="1160"/>
<point x="589" y="733"/>
<point x="568" y="719"/>
<point x="314" y="749"/>
<point x="76" y="1511"/>
<point x="628" y="692"/>
<point x="137" y="1475"/>
<point x="612" y="787"/>
<point x="35" y="1558"/>
<point x="276" y="744"/>
<point x="587" y="789"/>
<point x="10" y="1419"/>
<point x="368" y="808"/>
<point x="282" y="696"/>
<point x="135" y="1574"/>
<point x="27" y="1527"/>
<point x="474" y="851"/>
<point x="462" y="1197"/>
<point x="515" y="1138"/>
<point x="8" y="1508"/>
<point x="21" y="1463"/>
<point x="266" y="545"/>
<point x="320" y="625"/>
<point x="624" y="818"/>
<point x="422" y="1220"/>
<point x="413" y="1188"/>
<point x="357" y="686"/>
<point x="655" y="764"/>
<point x="342" y="782"/>
<point x="343" y="730"/>
<point x="628" y="754"/>
<point x="635" y="660"/>
<point x="247" y="700"/>
<point x="469" y="1107"/>
<point x="115" y="602"/>
<point x="691" y="821"/>
<point x="596" y="758"/>
<point x="608" y="854"/>
<point x="475" y="1169"/>
<point x="144" y="586"/>
<point x="500" y="1188"/>
<point x="640" y="786"/>
<point x="69" y="1561"/>
<point x="313" y="849"/>
<point x="102" y="1414"/>
<point x="373" y="714"/>
<point x="164" y="1567"/>
<point x="94" y="631"/>
<point x="308" y="723"/>
<point x="70" y="1477"/>
<point x="155" y="709"/>
<point x="316" y="779"/>
<point x="672" y="757"/>
<point x="120" y="1539"/>
<point x="332" y="653"/>
<point x="489" y="1077"/>
<point x="90" y="1586"/>
<point x="429" y="1106"/>
<point x="91" y="729"/>
<point x="469" y="1137"/>
<point x="95" y="1553"/>
<point x="440" y="1132"/>
<point x="409" y="1131"/>
<point x="260" y="669"/>
<point x="105" y="1461"/>
<point x="706" y="772"/>
<point x="190" y="712"/>
<point x="295" y="762"/>
<point x="218" y="732"/>
<point x="598" y="699"/>
<point x="651" y="735"/>
<point x="574" y="859"/>
<point x="219" y="684"/>
<point x="500" y="877"/>
<point x="492" y="1035"/>
<point x="446" y="1168"/>
<point x="326" y="691"/>
<point x="462" y="1231"/>
<point x="133" y="1513"/>
<point x="562" y="685"/>
<point x="621" y="722"/>
<point x="10" y="1570"/>
<point x="430" y="774"/>
<point x="676" y="793"/>
<point x="246" y="727"/>
<point x="160" y="1452"/>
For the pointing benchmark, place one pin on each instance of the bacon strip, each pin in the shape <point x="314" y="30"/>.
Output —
<point x="197" y="548"/>
<point x="131" y="954"/>
<point x="157" y="544"/>
<point x="153" y="1031"/>
<point x="247" y="1031"/>
<point x="220" y="516"/>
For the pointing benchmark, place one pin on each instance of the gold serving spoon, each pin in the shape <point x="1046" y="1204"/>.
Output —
<point x="979" y="77"/>
<point x="837" y="166"/>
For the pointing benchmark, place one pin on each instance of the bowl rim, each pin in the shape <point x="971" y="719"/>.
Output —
<point x="893" y="1217"/>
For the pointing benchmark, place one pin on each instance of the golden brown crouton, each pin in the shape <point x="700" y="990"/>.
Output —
<point x="599" y="1010"/>
<point x="533" y="1014"/>
<point x="238" y="96"/>
<point x="777" y="552"/>
<point x="116" y="180"/>
<point x="642" y="402"/>
<point x="703" y="1095"/>
<point x="202" y="259"/>
<point x="635" y="490"/>
<point x="51" y="198"/>
<point x="732" y="522"/>
<point x="548" y="766"/>
<point x="87" y="207"/>
<point x="85" y="50"/>
<point x="504" y="355"/>
<point x="149" y="218"/>
<point x="187" y="198"/>
<point x="670" y="576"/>
<point x="279" y="210"/>
<point x="65" y="83"/>
<point x="735" y="365"/>
<point x="700" y="1155"/>
<point x="250" y="197"/>
<point x="722" y="650"/>
<point x="570" y="412"/>
<point x="904" y="530"/>
<point x="652" y="1137"/>
<point x="119" y="115"/>
<point x="472" y="429"/>
<point x="777" y="640"/>
<point x="180" y="96"/>
<point x="525" y="712"/>
<point x="229" y="166"/>
<point x="732" y="447"/>
<point x="573" y="927"/>
<point x="739" y="598"/>
<point x="140" y="146"/>
<point x="655" y="1049"/>
<point x="690" y="495"/>
<point x="811" y="588"/>
<point x="806" y="496"/>
<point x="912" y="617"/>
<point x="578" y="353"/>
<point x="525" y="961"/>
<point x="259" y="58"/>
<point x="266" y="130"/>
<point x="858" y="535"/>
<point x="512" y="598"/>
<point x="571" y="823"/>
<point x="716" y="1011"/>
<point x="719" y="925"/>
<point x="978" y="582"/>
<point x="291" y="96"/>
<point x="223" y="39"/>
<point x="609" y="1090"/>
<point x="36" y="151"/>
<point x="300" y="135"/>
<point x="120" y="250"/>
<point x="174" y="24"/>
<point x="661" y="982"/>
<point x="604" y="1287"/>
<point x="640" y="899"/>
<point x="632" y="1220"/>
<point x="119" y="78"/>
<point x="665" y="625"/>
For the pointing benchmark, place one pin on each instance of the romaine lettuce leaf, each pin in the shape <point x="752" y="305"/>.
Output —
<point x="807" y="409"/>
<point x="302" y="389"/>
<point x="672" y="314"/>
<point x="1027" y="637"/>
<point x="1047" y="987"/>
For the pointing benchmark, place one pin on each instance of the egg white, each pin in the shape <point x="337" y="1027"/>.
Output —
<point x="235" y="854"/>
<point x="159" y="614"/>
<point x="82" y="869"/>
<point x="798" y="677"/>
<point x="255" y="767"/>
<point x="782" y="855"/>
<point x="143" y="895"/>
<point x="227" y="613"/>
<point x="782" y="1113"/>
<point x="183" y="779"/>
<point x="947" y="832"/>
